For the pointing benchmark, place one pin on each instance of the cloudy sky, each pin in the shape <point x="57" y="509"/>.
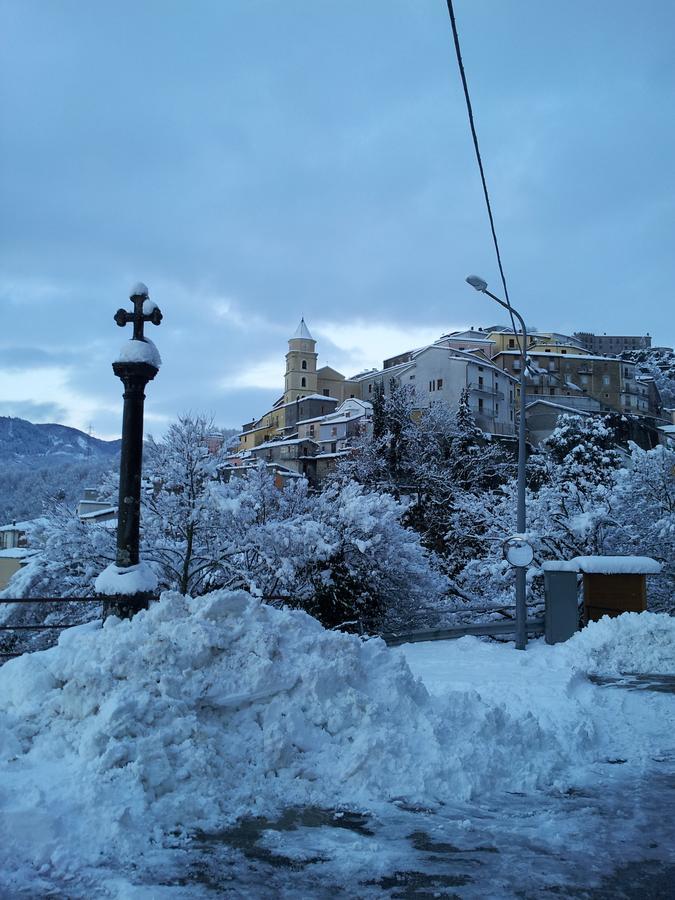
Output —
<point x="253" y="161"/>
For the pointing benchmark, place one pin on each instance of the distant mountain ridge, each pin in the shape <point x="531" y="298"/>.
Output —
<point x="22" y="442"/>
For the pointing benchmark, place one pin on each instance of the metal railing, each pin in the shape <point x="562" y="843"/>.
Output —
<point x="32" y="601"/>
<point x="488" y="629"/>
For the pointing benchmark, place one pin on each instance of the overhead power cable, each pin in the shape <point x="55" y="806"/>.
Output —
<point x="469" y="110"/>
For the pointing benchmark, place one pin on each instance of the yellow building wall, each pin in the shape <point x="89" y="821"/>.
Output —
<point x="8" y="566"/>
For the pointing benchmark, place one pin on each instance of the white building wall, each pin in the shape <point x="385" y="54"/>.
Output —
<point x="439" y="377"/>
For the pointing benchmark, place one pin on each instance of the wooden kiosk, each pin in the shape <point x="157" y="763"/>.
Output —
<point x="615" y="584"/>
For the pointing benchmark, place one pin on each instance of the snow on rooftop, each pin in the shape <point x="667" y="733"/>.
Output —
<point x="106" y="511"/>
<point x="285" y="443"/>
<point x="605" y="565"/>
<point x="139" y="352"/>
<point x="573" y="409"/>
<point x="16" y="526"/>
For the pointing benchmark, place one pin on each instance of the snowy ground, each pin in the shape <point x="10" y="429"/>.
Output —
<point x="222" y="748"/>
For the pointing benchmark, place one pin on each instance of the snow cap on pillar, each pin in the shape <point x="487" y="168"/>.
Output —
<point x="139" y="290"/>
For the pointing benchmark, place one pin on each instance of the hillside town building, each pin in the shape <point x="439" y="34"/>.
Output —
<point x="321" y="413"/>
<point x="581" y="381"/>
<point x="439" y="374"/>
<point x="613" y="344"/>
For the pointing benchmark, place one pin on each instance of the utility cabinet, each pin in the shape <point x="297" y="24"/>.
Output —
<point x="561" y="615"/>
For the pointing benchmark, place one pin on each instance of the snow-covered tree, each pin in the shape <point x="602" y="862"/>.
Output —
<point x="643" y="513"/>
<point x="659" y="363"/>
<point x="343" y="554"/>
<point x="181" y="531"/>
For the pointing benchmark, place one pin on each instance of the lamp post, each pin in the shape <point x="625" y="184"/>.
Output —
<point x="521" y="605"/>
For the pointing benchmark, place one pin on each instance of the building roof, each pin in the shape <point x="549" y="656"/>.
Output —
<point x="302" y="331"/>
<point x="22" y="526"/>
<point x="572" y="409"/>
<point x="107" y="511"/>
<point x="468" y="335"/>
<point x="366" y="408"/>
<point x="285" y="443"/>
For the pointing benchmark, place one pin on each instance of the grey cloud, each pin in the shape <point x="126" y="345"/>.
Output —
<point x="316" y="159"/>
<point x="17" y="358"/>
<point x="34" y="412"/>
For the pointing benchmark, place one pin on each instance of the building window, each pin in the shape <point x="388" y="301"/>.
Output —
<point x="326" y="392"/>
<point x="370" y="389"/>
<point x="303" y="382"/>
<point x="496" y="409"/>
<point x="480" y="404"/>
<point x="304" y="364"/>
<point x="311" y="431"/>
<point x="512" y="342"/>
<point x="605" y="381"/>
<point x="480" y="381"/>
<point x="333" y="447"/>
<point x="439" y="384"/>
<point x="333" y="431"/>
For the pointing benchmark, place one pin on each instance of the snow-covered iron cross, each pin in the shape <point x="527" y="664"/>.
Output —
<point x="144" y="311"/>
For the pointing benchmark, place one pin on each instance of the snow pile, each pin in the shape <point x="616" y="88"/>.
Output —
<point x="630" y="643"/>
<point x="197" y="712"/>
<point x="139" y="352"/>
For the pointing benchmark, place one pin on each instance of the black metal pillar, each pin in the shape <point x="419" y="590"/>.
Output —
<point x="135" y="377"/>
<point x="134" y="370"/>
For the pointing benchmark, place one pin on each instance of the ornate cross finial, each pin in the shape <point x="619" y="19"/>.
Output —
<point x="144" y="311"/>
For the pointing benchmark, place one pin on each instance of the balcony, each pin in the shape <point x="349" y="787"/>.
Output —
<point x="484" y="390"/>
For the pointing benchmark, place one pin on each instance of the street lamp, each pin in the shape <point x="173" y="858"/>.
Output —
<point x="521" y="605"/>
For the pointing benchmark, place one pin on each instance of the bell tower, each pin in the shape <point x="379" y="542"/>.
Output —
<point x="300" y="379"/>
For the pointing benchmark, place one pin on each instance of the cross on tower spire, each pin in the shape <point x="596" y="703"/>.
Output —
<point x="144" y="311"/>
